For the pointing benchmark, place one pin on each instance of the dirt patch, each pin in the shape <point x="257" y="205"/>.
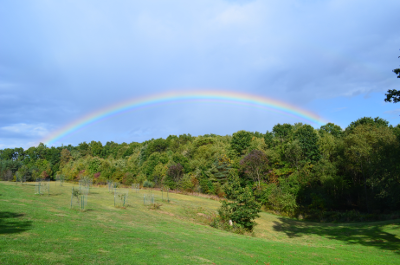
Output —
<point x="170" y="214"/>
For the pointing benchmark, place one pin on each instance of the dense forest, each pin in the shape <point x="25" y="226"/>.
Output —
<point x="294" y="169"/>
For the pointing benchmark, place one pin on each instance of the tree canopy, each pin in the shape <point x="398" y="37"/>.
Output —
<point x="393" y="95"/>
<point x="294" y="169"/>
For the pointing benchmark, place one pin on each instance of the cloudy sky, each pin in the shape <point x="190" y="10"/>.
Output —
<point x="61" y="60"/>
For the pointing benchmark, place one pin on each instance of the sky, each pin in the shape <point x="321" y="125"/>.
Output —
<point x="62" y="60"/>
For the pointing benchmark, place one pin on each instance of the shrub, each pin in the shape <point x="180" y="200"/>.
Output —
<point x="141" y="178"/>
<point x="148" y="184"/>
<point x="219" y="223"/>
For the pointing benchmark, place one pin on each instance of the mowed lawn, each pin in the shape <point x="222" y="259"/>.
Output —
<point x="42" y="229"/>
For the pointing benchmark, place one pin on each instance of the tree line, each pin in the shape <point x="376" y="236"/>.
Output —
<point x="292" y="169"/>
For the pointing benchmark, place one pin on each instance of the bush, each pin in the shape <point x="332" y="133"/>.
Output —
<point x="218" y="223"/>
<point x="141" y="178"/>
<point x="148" y="184"/>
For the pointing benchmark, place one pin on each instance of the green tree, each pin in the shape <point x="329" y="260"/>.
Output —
<point x="240" y="141"/>
<point x="241" y="206"/>
<point x="158" y="145"/>
<point x="367" y="150"/>
<point x="377" y="122"/>
<point x="282" y="131"/>
<point x="96" y="148"/>
<point x="332" y="129"/>
<point x="308" y="140"/>
<point x="84" y="148"/>
<point x="222" y="165"/>
<point x="159" y="172"/>
<point x="65" y="157"/>
<point x="294" y="153"/>
<point x="393" y="95"/>
<point x="268" y="139"/>
<point x="255" y="166"/>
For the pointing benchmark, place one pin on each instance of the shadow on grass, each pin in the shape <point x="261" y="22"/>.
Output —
<point x="366" y="234"/>
<point x="9" y="223"/>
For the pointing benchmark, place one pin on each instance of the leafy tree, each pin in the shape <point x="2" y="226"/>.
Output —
<point x="378" y="122"/>
<point x="25" y="172"/>
<point x="152" y="162"/>
<point x="280" y="199"/>
<point x="294" y="153"/>
<point x="222" y="165"/>
<point x="394" y="94"/>
<point x="7" y="154"/>
<point x="241" y="206"/>
<point x="44" y="167"/>
<point x="308" y="140"/>
<point x="96" y="148"/>
<point x="255" y="166"/>
<point x="188" y="183"/>
<point x="282" y="131"/>
<point x="368" y="149"/>
<point x="327" y="146"/>
<point x="84" y="148"/>
<point x="158" y="145"/>
<point x="201" y="140"/>
<point x="159" y="172"/>
<point x="268" y="139"/>
<point x="175" y="172"/>
<point x="94" y="165"/>
<point x="181" y="159"/>
<point x="257" y="143"/>
<point x="332" y="129"/>
<point x="65" y="157"/>
<point x="240" y="141"/>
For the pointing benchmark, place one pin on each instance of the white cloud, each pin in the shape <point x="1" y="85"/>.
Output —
<point x="27" y="129"/>
<point x="13" y="143"/>
<point x="395" y="111"/>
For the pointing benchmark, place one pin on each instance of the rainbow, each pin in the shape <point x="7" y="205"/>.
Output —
<point x="179" y="96"/>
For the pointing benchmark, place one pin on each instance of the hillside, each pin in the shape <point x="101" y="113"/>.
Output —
<point x="37" y="229"/>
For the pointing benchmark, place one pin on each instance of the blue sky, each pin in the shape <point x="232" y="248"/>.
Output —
<point x="60" y="60"/>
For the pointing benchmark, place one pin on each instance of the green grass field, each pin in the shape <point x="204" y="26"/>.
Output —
<point x="42" y="229"/>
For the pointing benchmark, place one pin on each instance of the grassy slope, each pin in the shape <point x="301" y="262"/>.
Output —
<point x="43" y="230"/>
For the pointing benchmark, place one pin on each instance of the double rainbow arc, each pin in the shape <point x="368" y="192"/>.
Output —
<point x="229" y="97"/>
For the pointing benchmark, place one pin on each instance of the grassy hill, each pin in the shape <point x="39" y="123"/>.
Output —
<point x="42" y="229"/>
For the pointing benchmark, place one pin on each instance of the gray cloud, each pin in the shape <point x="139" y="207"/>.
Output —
<point x="62" y="60"/>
